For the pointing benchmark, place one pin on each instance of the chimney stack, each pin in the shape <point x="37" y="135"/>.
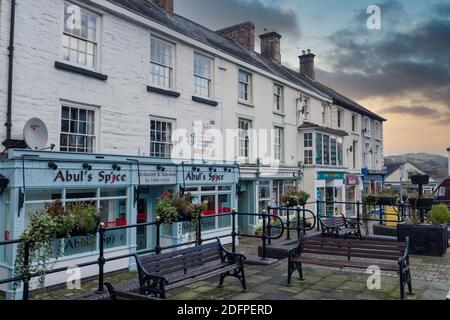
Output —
<point x="271" y="46"/>
<point x="165" y="5"/>
<point x="307" y="64"/>
<point x="448" y="150"/>
<point x="243" y="33"/>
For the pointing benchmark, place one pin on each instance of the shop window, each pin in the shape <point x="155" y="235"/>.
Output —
<point x="264" y="196"/>
<point x="112" y="205"/>
<point x="326" y="150"/>
<point x="77" y="130"/>
<point x="80" y="36"/>
<point x="319" y="151"/>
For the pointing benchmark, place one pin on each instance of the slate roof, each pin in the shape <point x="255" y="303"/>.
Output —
<point x="150" y="10"/>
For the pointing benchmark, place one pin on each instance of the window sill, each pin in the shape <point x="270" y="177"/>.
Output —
<point x="79" y="70"/>
<point x="163" y="91"/>
<point x="246" y="103"/>
<point x="279" y="113"/>
<point x="205" y="101"/>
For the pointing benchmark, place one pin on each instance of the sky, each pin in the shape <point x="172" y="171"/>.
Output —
<point x="401" y="71"/>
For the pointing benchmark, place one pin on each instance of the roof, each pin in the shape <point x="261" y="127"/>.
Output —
<point x="392" y="167"/>
<point x="309" y="125"/>
<point x="150" y="10"/>
<point x="342" y="100"/>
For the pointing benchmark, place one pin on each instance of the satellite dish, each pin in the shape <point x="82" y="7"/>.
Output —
<point x="35" y="134"/>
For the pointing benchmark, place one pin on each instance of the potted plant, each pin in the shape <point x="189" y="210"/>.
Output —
<point x="52" y="223"/>
<point x="178" y="208"/>
<point x="294" y="198"/>
<point x="386" y="197"/>
<point x="419" y="179"/>
<point x="429" y="238"/>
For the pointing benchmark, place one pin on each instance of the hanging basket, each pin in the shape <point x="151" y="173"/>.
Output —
<point x="420" y="179"/>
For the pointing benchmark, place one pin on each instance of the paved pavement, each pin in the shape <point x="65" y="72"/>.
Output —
<point x="431" y="281"/>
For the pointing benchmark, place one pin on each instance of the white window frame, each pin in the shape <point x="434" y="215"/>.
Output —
<point x="249" y="85"/>
<point x="95" y="137"/>
<point x="278" y="98"/>
<point x="308" y="148"/>
<point x="168" y="143"/>
<point x="340" y="118"/>
<point x="278" y="143"/>
<point x="367" y="127"/>
<point x="355" y="123"/>
<point x="210" y="80"/>
<point x="377" y="130"/>
<point x="306" y="101"/>
<point x="171" y="67"/>
<point x="97" y="42"/>
<point x="243" y="137"/>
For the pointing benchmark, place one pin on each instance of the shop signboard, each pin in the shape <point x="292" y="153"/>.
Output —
<point x="330" y="176"/>
<point x="217" y="177"/>
<point x="158" y="178"/>
<point x="351" y="180"/>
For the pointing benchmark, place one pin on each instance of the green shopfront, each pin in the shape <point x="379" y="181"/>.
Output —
<point x="125" y="191"/>
<point x="330" y="188"/>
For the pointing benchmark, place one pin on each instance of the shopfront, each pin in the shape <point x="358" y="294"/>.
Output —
<point x="330" y="188"/>
<point x="262" y="188"/>
<point x="124" y="190"/>
<point x="352" y="183"/>
<point x="373" y="180"/>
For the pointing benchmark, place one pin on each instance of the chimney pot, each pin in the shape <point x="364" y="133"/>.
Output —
<point x="307" y="64"/>
<point x="165" y="5"/>
<point x="243" y="34"/>
<point x="271" y="46"/>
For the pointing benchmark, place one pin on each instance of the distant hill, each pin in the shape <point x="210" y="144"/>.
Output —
<point x="434" y="165"/>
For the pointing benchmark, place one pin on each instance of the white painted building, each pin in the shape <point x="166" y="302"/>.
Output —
<point x="400" y="173"/>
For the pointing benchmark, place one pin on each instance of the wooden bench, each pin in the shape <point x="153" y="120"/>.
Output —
<point x="159" y="273"/>
<point x="122" y="295"/>
<point x="329" y="252"/>
<point x="340" y="226"/>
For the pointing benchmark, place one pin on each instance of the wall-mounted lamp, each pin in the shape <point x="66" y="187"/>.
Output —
<point x="87" y="166"/>
<point x="195" y="169"/>
<point x="160" y="168"/>
<point x="52" y="165"/>
<point x="350" y="149"/>
<point x="116" y="167"/>
<point x="3" y="183"/>
<point x="211" y="169"/>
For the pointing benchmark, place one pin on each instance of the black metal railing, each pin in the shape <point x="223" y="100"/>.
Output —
<point x="300" y="222"/>
<point x="365" y="212"/>
<point x="101" y="261"/>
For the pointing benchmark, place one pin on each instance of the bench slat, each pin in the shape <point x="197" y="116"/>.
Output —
<point x="167" y="270"/>
<point x="350" y="241"/>
<point x="353" y="254"/>
<point x="353" y="246"/>
<point x="173" y="254"/>
<point x="342" y="263"/>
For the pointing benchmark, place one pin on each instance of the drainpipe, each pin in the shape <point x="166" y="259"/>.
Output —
<point x="8" y="123"/>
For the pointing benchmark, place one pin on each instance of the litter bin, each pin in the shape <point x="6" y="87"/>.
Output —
<point x="391" y="215"/>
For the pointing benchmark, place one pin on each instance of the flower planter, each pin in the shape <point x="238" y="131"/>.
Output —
<point x="386" y="201"/>
<point x="422" y="203"/>
<point x="430" y="240"/>
<point x="420" y="179"/>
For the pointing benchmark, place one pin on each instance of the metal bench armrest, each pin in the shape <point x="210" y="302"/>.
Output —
<point x="231" y="257"/>
<point x="144" y="275"/>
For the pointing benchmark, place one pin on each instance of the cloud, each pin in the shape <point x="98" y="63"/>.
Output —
<point x="274" y="15"/>
<point x="417" y="111"/>
<point x="404" y="59"/>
